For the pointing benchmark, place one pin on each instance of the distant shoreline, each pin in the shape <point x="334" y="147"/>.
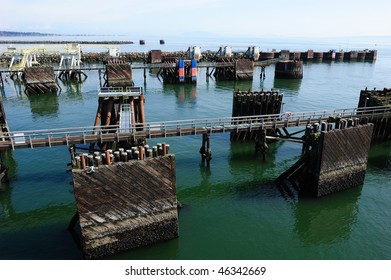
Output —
<point x="48" y="42"/>
<point x="25" y="34"/>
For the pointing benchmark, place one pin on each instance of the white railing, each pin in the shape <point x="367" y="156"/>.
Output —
<point x="89" y="134"/>
<point x="119" y="91"/>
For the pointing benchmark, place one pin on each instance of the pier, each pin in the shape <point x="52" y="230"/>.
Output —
<point x="117" y="209"/>
<point x="126" y="205"/>
<point x="39" y="80"/>
<point x="334" y="158"/>
<point x="165" y="129"/>
<point x="380" y="97"/>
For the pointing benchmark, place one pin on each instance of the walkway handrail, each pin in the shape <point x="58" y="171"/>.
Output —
<point x="88" y="134"/>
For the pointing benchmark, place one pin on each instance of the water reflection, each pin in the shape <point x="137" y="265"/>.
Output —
<point x="185" y="93"/>
<point x="380" y="156"/>
<point x="6" y="201"/>
<point x="72" y="88"/>
<point x="246" y="85"/>
<point x="44" y="104"/>
<point x="288" y="85"/>
<point x="5" y="188"/>
<point x="244" y="161"/>
<point x="327" y="220"/>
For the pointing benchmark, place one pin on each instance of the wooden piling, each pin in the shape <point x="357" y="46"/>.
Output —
<point x="98" y="113"/>
<point x="141" y="152"/>
<point x="39" y="80"/>
<point x="250" y="103"/>
<point x="231" y="69"/>
<point x="164" y="150"/>
<point x="336" y="161"/>
<point x="1" y="81"/>
<point x="121" y="208"/>
<point x="205" y="150"/>
<point x="289" y="70"/>
<point x="372" y="98"/>
<point x="154" y="56"/>
<point x="3" y="120"/>
<point x="318" y="56"/>
<point x="141" y="104"/>
<point x="110" y="107"/>
<point x="108" y="158"/>
<point x="83" y="161"/>
<point x="119" y="75"/>
<point x="351" y="56"/>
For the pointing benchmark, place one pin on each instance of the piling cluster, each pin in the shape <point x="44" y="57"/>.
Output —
<point x="157" y="56"/>
<point x="330" y="166"/>
<point x="291" y="69"/>
<point x="250" y="103"/>
<point x="126" y="205"/>
<point x="371" y="98"/>
<point x="109" y="157"/>
<point x="40" y="80"/>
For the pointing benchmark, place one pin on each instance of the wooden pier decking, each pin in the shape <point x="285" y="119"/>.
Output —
<point x="155" y="66"/>
<point x="337" y="160"/>
<point x="126" y="205"/>
<point x="40" y="79"/>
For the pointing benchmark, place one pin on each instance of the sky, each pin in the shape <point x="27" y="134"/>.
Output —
<point x="225" y="18"/>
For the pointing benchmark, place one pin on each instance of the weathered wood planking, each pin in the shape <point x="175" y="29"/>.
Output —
<point x="370" y="98"/>
<point x="39" y="75"/>
<point x="382" y="97"/>
<point x="339" y="161"/>
<point x="244" y="69"/>
<point x="3" y="119"/>
<point x="40" y="79"/>
<point x="119" y="75"/>
<point x="126" y="205"/>
<point x="246" y="103"/>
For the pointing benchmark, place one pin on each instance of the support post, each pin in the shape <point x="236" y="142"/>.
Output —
<point x="100" y="78"/>
<point x="205" y="151"/>
<point x="260" y="143"/>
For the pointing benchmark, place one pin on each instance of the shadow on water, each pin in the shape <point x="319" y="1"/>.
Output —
<point x="291" y="86"/>
<point x="244" y="161"/>
<point x="317" y="220"/>
<point x="234" y="85"/>
<point x="380" y="156"/>
<point x="326" y="220"/>
<point x="47" y="234"/>
<point x="5" y="186"/>
<point x="248" y="168"/>
<point x="36" y="234"/>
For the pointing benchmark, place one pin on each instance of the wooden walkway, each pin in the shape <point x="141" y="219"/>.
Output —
<point x="156" y="66"/>
<point x="91" y="134"/>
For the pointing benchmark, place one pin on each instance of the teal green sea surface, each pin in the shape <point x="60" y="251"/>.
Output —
<point x="233" y="210"/>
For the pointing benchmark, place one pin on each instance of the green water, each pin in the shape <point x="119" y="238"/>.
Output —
<point x="233" y="210"/>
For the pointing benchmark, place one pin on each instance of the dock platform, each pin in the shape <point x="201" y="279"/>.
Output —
<point x="126" y="205"/>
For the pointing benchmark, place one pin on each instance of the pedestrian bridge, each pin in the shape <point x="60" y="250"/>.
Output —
<point x="163" y="129"/>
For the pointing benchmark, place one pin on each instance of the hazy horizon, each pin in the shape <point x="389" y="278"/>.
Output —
<point x="247" y="18"/>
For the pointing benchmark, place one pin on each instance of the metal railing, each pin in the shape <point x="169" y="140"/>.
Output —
<point x="123" y="91"/>
<point x="91" y="134"/>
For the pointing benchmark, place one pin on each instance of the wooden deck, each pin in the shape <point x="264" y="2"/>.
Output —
<point x="126" y="205"/>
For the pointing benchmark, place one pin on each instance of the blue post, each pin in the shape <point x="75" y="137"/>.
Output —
<point x="193" y="70"/>
<point x="181" y="70"/>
